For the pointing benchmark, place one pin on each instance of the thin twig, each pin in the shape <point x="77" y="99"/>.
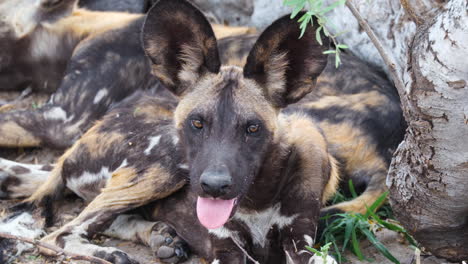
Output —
<point x="56" y="249"/>
<point x="244" y="251"/>
<point x="387" y="59"/>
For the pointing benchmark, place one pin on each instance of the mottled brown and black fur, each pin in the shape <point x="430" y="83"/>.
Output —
<point x="89" y="60"/>
<point x="150" y="151"/>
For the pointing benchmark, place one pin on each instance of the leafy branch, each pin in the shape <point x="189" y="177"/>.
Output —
<point x="316" y="8"/>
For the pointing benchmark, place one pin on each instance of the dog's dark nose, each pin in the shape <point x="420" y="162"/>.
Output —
<point x="216" y="182"/>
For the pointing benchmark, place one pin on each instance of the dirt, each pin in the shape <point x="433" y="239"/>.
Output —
<point x="71" y="206"/>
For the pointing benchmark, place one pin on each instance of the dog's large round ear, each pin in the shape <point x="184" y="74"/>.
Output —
<point x="181" y="44"/>
<point x="284" y="65"/>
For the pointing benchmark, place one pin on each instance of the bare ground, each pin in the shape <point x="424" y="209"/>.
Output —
<point x="71" y="206"/>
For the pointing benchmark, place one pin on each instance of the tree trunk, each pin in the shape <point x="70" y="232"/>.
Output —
<point x="428" y="178"/>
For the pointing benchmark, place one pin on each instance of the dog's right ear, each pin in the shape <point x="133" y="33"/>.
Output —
<point x="180" y="43"/>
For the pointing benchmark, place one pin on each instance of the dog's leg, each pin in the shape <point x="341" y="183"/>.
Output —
<point x="125" y="190"/>
<point x="18" y="180"/>
<point x="374" y="189"/>
<point x="162" y="239"/>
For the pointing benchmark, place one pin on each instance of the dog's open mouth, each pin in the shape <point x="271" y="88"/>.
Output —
<point x="214" y="213"/>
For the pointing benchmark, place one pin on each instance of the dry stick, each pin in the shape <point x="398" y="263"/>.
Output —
<point x="56" y="249"/>
<point x="244" y="251"/>
<point x="387" y="59"/>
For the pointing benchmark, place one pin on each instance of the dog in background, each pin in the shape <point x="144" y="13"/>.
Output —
<point x="241" y="135"/>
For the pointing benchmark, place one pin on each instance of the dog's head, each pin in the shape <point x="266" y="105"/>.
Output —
<point x="18" y="19"/>
<point x="227" y="116"/>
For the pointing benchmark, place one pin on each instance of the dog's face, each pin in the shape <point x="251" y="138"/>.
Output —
<point x="227" y="115"/>
<point x="18" y="19"/>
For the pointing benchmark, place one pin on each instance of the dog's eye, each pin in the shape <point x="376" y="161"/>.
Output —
<point x="252" y="129"/>
<point x="197" y="124"/>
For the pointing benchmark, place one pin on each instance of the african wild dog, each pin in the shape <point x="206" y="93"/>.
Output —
<point x="239" y="150"/>
<point x="89" y="60"/>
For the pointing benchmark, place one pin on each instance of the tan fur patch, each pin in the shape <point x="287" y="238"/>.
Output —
<point x="98" y="143"/>
<point x="299" y="131"/>
<point x="126" y="187"/>
<point x="353" y="146"/>
<point x="222" y="31"/>
<point x="85" y="23"/>
<point x="356" y="102"/>
<point x="13" y="135"/>
<point x="333" y="182"/>
<point x="360" y="203"/>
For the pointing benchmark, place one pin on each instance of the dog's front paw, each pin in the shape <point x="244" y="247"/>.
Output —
<point x="72" y="241"/>
<point x="167" y="246"/>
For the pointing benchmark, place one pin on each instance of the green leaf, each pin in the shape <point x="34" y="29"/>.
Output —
<point x="303" y="17"/>
<point x="297" y="9"/>
<point x="317" y="36"/>
<point x="379" y="246"/>
<point x="313" y="250"/>
<point x="293" y="2"/>
<point x="329" y="52"/>
<point x="351" y="187"/>
<point x="380" y="200"/>
<point x="337" y="59"/>
<point x="342" y="46"/>
<point x="356" y="248"/>
<point x="350" y="225"/>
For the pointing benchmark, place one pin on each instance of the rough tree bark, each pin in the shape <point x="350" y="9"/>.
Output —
<point x="428" y="178"/>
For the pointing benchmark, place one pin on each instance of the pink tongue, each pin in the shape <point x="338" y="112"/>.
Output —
<point x="214" y="213"/>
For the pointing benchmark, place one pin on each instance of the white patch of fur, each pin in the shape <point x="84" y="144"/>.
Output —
<point x="23" y="226"/>
<point x="221" y="232"/>
<point x="100" y="95"/>
<point x="130" y="227"/>
<point x="76" y="184"/>
<point x="152" y="143"/>
<point x="175" y="140"/>
<point x="87" y="178"/>
<point x="183" y="166"/>
<point x="260" y="223"/>
<point x="19" y="14"/>
<point x="216" y="261"/>
<point x="44" y="44"/>
<point x="319" y="260"/>
<point x="56" y="113"/>
<point x="28" y="181"/>
<point x="191" y="57"/>
<point x="276" y="74"/>
<point x="309" y="240"/>
<point x="76" y="244"/>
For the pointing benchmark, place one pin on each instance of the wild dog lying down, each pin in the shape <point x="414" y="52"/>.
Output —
<point x="90" y="61"/>
<point x="269" y="170"/>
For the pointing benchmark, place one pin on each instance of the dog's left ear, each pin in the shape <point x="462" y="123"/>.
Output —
<point x="283" y="64"/>
<point x="181" y="44"/>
